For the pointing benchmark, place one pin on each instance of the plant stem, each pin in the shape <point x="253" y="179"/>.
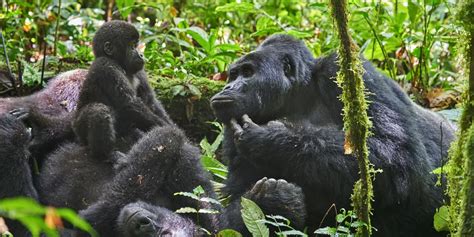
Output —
<point x="356" y="121"/>
<point x="57" y="29"/>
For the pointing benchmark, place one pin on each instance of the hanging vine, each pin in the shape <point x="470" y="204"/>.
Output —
<point x="356" y="120"/>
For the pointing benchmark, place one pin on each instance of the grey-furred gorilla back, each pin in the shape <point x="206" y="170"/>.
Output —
<point x="294" y="132"/>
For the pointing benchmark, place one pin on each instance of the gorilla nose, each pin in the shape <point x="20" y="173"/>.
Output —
<point x="143" y="225"/>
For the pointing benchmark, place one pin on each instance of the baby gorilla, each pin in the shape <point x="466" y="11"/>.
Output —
<point x="141" y="219"/>
<point x="115" y="79"/>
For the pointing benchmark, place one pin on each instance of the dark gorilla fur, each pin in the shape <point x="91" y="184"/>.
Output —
<point x="296" y="134"/>
<point x="145" y="220"/>
<point x="48" y="112"/>
<point x="15" y="174"/>
<point x="75" y="175"/>
<point x="114" y="79"/>
<point x="160" y="164"/>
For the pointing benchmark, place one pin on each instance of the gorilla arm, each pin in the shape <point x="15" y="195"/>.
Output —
<point x="145" y="92"/>
<point x="121" y="95"/>
<point x="305" y="155"/>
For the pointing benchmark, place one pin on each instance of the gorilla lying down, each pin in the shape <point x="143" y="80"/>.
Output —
<point x="283" y="120"/>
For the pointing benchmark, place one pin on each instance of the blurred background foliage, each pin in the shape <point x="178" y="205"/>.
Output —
<point x="189" y="44"/>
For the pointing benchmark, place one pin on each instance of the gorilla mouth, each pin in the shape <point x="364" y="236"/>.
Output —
<point x="221" y="101"/>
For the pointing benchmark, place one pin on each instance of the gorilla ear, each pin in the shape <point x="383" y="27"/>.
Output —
<point x="288" y="66"/>
<point x="108" y="48"/>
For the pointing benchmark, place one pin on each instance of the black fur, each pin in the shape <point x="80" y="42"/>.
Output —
<point x="141" y="219"/>
<point x="117" y="80"/>
<point x="75" y="175"/>
<point x="297" y="136"/>
<point x="15" y="174"/>
<point x="160" y="164"/>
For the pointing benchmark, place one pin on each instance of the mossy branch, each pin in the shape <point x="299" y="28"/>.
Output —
<point x="356" y="120"/>
<point x="461" y="162"/>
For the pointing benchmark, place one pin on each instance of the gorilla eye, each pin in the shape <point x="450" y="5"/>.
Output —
<point x="247" y="70"/>
<point x="233" y="73"/>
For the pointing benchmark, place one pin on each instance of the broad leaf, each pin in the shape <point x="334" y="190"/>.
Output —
<point x="252" y="215"/>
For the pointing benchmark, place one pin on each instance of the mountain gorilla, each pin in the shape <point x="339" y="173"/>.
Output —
<point x="160" y="164"/>
<point x="75" y="175"/>
<point x="15" y="174"/>
<point x="283" y="120"/>
<point x="114" y="80"/>
<point x="141" y="219"/>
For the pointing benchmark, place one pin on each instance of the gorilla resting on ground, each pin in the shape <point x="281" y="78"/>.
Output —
<point x="160" y="164"/>
<point x="48" y="112"/>
<point x="296" y="134"/>
<point x="115" y="79"/>
<point x="15" y="174"/>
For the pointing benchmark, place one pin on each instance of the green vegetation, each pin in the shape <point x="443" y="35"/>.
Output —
<point x="356" y="120"/>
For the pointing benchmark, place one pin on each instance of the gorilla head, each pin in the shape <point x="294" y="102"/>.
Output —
<point x="262" y="83"/>
<point x="141" y="219"/>
<point x="118" y="40"/>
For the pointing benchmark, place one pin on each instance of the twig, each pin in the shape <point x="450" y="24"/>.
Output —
<point x="45" y="45"/>
<point x="57" y="32"/>
<point x="12" y="78"/>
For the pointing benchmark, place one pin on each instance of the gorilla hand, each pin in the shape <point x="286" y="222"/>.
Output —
<point x="282" y="198"/>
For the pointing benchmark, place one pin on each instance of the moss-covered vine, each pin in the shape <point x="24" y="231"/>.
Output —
<point x="461" y="163"/>
<point x="356" y="120"/>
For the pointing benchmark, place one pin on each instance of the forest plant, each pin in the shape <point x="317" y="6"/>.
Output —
<point x="38" y="219"/>
<point x="461" y="163"/>
<point x="356" y="120"/>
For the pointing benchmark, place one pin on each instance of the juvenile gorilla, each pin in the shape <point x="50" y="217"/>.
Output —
<point x="283" y="120"/>
<point x="115" y="79"/>
<point x="15" y="174"/>
<point x="160" y="164"/>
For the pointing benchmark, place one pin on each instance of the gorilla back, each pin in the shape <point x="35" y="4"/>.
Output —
<point x="297" y="135"/>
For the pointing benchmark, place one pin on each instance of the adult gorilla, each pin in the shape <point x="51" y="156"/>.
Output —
<point x="296" y="134"/>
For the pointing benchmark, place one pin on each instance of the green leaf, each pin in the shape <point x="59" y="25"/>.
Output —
<point x="198" y="190"/>
<point x="73" y="218"/>
<point x="209" y="200"/>
<point x="208" y="211"/>
<point x="293" y="233"/>
<point x="125" y="6"/>
<point x="413" y="10"/>
<point x="441" y="218"/>
<point x="200" y="36"/>
<point x="21" y="207"/>
<point x="326" y="231"/>
<point x="243" y="7"/>
<point x="178" y="89"/>
<point x="228" y="233"/>
<point x="187" y="194"/>
<point x="184" y="210"/>
<point x="194" y="90"/>
<point x="251" y="214"/>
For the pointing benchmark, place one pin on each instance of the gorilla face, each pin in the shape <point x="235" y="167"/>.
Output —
<point x="134" y="59"/>
<point x="118" y="40"/>
<point x="258" y="85"/>
<point x="141" y="219"/>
